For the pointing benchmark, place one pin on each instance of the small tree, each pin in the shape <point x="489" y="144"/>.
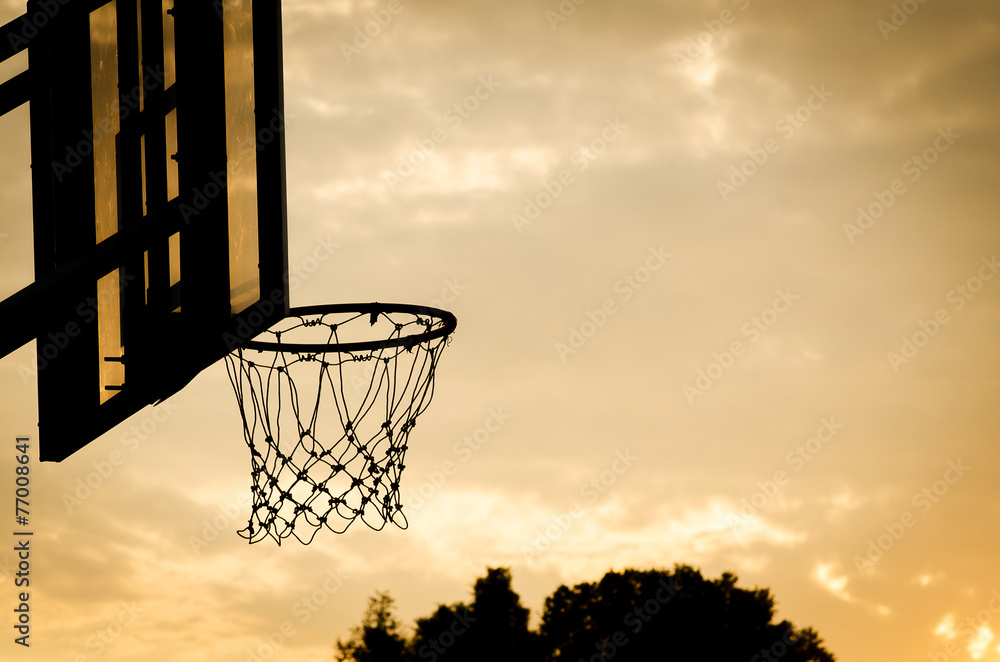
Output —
<point x="378" y="639"/>
<point x="501" y="632"/>
<point x="444" y="635"/>
<point x="493" y="628"/>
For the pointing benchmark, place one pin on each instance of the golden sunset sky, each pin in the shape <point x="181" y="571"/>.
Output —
<point x="724" y="275"/>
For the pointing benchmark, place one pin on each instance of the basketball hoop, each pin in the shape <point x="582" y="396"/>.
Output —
<point x="372" y="368"/>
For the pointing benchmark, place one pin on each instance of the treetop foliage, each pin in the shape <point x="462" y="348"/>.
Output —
<point x="627" y="616"/>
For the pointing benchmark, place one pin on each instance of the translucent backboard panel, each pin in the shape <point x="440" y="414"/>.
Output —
<point x="109" y="336"/>
<point x="170" y="131"/>
<point x="105" y="103"/>
<point x="174" y="249"/>
<point x="106" y="121"/>
<point x="169" y="43"/>
<point x="138" y="63"/>
<point x="241" y="152"/>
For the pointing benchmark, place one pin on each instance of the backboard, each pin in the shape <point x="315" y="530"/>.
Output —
<point x="157" y="147"/>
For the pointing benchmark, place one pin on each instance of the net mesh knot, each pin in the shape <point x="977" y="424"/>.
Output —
<point x="328" y="429"/>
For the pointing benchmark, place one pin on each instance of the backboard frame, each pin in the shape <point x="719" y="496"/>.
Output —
<point x="169" y="331"/>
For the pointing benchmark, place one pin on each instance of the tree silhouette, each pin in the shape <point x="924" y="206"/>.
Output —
<point x="630" y="616"/>
<point x="501" y="628"/>
<point x="443" y="636"/>
<point x="378" y="638"/>
<point x="643" y="615"/>
<point x="493" y="628"/>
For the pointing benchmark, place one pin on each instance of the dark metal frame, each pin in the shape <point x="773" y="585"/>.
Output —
<point x="447" y="322"/>
<point x="164" y="349"/>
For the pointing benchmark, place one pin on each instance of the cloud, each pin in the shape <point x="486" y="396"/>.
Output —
<point x="927" y="579"/>
<point x="836" y="585"/>
<point x="453" y="529"/>
<point x="351" y="122"/>
<point x="946" y="628"/>
<point x="841" y="505"/>
<point x="318" y="9"/>
<point x="980" y="642"/>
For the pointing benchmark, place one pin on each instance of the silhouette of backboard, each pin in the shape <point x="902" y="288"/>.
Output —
<point x="158" y="184"/>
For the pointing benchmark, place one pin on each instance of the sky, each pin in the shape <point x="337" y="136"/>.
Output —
<point x="724" y="276"/>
